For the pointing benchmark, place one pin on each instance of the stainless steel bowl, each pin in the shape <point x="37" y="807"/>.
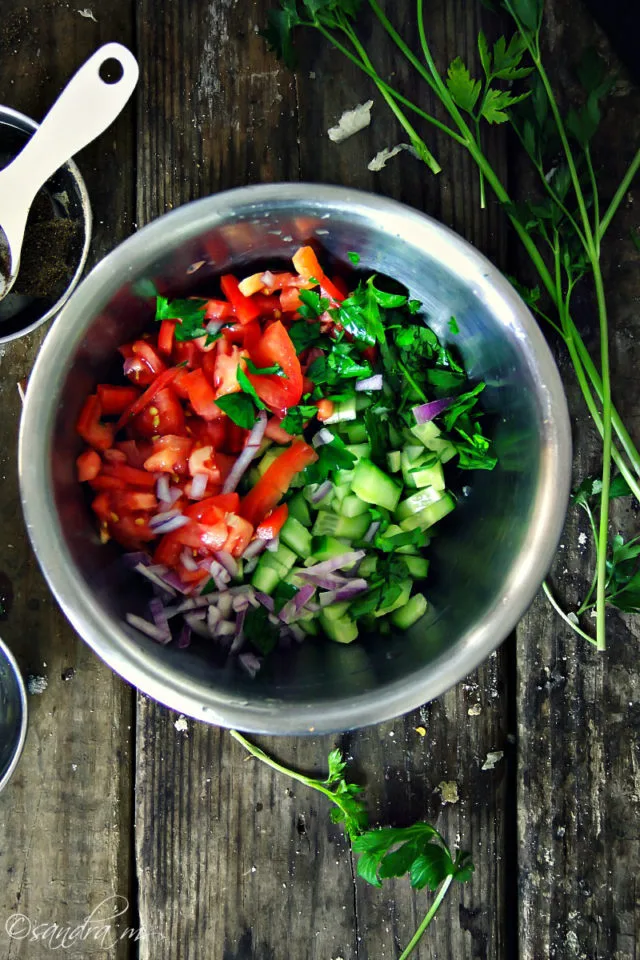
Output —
<point x="492" y="552"/>
<point x="13" y="714"/>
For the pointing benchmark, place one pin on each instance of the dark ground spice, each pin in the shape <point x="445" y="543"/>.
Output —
<point x="47" y="250"/>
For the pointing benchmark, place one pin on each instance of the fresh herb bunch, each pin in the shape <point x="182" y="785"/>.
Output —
<point x="418" y="851"/>
<point x="563" y="233"/>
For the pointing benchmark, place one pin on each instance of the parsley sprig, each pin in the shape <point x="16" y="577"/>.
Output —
<point x="418" y="851"/>
<point x="561" y="230"/>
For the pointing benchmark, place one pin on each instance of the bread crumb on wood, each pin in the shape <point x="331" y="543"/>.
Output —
<point x="493" y="757"/>
<point x="351" y="122"/>
<point x="449" y="791"/>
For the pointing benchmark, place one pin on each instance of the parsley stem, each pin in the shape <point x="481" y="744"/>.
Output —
<point x="558" y="609"/>
<point x="411" y="381"/>
<point x="618" y="196"/>
<point x="603" y="535"/>
<point x="433" y="909"/>
<point x="300" y="777"/>
<point x="594" y="580"/>
<point x="596" y="197"/>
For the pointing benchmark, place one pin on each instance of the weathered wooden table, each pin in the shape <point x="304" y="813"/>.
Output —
<point x="213" y="857"/>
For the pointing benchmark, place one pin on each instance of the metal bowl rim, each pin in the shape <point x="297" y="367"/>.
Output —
<point x="116" y="646"/>
<point x="24" y="718"/>
<point x="23" y="121"/>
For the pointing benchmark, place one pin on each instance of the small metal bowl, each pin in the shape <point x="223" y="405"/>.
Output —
<point x="13" y="714"/>
<point x="65" y="191"/>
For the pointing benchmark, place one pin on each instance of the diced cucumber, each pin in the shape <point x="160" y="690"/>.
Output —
<point x="341" y="631"/>
<point x="412" y="453"/>
<point x="430" y="514"/>
<point x="392" y="530"/>
<point x="343" y="478"/>
<point x="343" y="410"/>
<point x="404" y="617"/>
<point x="262" y="449"/>
<point x="268" y="560"/>
<point x="356" y="432"/>
<point x="363" y="401"/>
<point x="265" y="578"/>
<point x="360" y="450"/>
<point x="374" y="486"/>
<point x="368" y="566"/>
<point x="252" y="476"/>
<point x="400" y="601"/>
<point x="309" y="492"/>
<point x="309" y="625"/>
<point x="335" y="525"/>
<point x="418" y="567"/>
<point x="283" y="555"/>
<point x="429" y="435"/>
<point x="336" y="610"/>
<point x="353" y="506"/>
<point x="416" y="502"/>
<point x="295" y="536"/>
<point x="299" y="509"/>
<point x="394" y="461"/>
<point x="238" y="577"/>
<point x="324" y="548"/>
<point x="339" y="493"/>
<point x="395" y="437"/>
<point x="432" y="476"/>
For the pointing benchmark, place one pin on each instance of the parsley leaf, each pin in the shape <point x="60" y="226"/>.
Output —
<point x="249" y="388"/>
<point x="463" y="89"/>
<point x="190" y="313"/>
<point x="462" y="405"/>
<point x="264" y="371"/>
<point x="592" y="487"/>
<point x="305" y="335"/>
<point x="313" y="305"/>
<point x="417" y="538"/>
<point x="332" y="457"/>
<point x="453" y="326"/>
<point x="296" y="417"/>
<point x="354" y="257"/>
<point x="239" y="407"/>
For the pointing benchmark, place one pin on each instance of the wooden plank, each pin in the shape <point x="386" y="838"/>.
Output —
<point x="65" y="816"/>
<point x="578" y="787"/>
<point x="233" y="861"/>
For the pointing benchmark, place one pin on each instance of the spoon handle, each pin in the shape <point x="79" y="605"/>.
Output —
<point x="84" y="109"/>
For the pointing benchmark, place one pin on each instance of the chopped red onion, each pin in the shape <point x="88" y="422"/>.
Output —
<point x="229" y="563"/>
<point x="213" y="618"/>
<point x="173" y="580"/>
<point x="321" y="492"/>
<point x="196" y="622"/>
<point x="238" y="639"/>
<point x="150" y="574"/>
<point x="198" y="486"/>
<point x="224" y="604"/>
<point x="255" y="547"/>
<point x="168" y="526"/>
<point x="250" y="565"/>
<point x="297" y="632"/>
<point x="150" y="629"/>
<point x="371" y="383"/>
<point x="322" y="437"/>
<point x="294" y="606"/>
<point x="343" y="560"/>
<point x="193" y="603"/>
<point x="371" y="532"/>
<point x="250" y="662"/>
<point x="273" y="620"/>
<point x="248" y="453"/>
<point x="184" y="638"/>
<point x="240" y="602"/>
<point x="265" y="600"/>
<point x="162" y="517"/>
<point x="187" y="560"/>
<point x="350" y="590"/>
<point x="427" y="411"/>
<point x="138" y="556"/>
<point x="156" y="608"/>
<point x="214" y="326"/>
<point x="163" y="492"/>
<point x="273" y="544"/>
<point x="328" y="581"/>
<point x="224" y="629"/>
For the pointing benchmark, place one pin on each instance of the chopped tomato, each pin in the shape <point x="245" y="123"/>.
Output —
<point x="267" y="304"/>
<point x="239" y="536"/>
<point x="131" y="500"/>
<point x="103" y="482"/>
<point x="202" y="461"/>
<point x="135" y="453"/>
<point x="170" y="454"/>
<point x="141" y="348"/>
<point x="325" y="409"/>
<point x="275" y="481"/>
<point x="165" y="336"/>
<point x="276" y="346"/>
<point x="201" y="395"/>
<point x="275" y="432"/>
<point x="290" y="300"/>
<point x="115" y="400"/>
<point x="244" y="309"/>
<point x="96" y="434"/>
<point x="88" y="465"/>
<point x="225" y="370"/>
<point x="185" y="351"/>
<point x="273" y="523"/>
<point x="218" y="310"/>
<point x="236" y="437"/>
<point x="306" y="263"/>
<point x="213" y="509"/>
<point x="130" y="475"/>
<point x="162" y="381"/>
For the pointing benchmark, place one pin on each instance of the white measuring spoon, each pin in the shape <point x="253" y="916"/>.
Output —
<point x="84" y="110"/>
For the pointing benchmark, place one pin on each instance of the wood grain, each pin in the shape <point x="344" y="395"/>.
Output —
<point x="65" y="817"/>
<point x="233" y="862"/>
<point x="578" y="719"/>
